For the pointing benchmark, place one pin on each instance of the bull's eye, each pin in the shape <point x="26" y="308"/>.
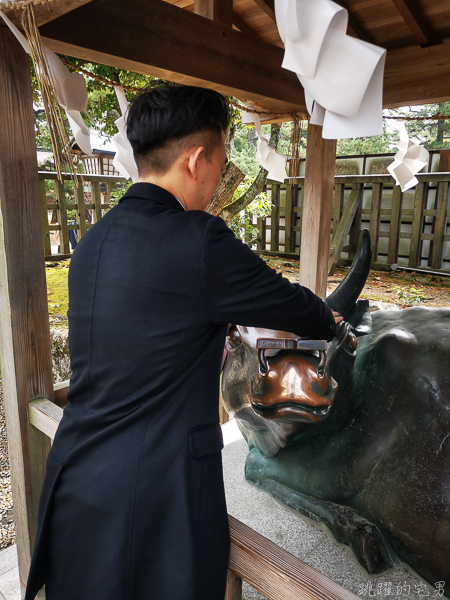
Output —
<point x="233" y="339"/>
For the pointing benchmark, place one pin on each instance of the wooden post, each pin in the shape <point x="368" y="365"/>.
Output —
<point x="64" y="247"/>
<point x="420" y="199"/>
<point x="96" y="200"/>
<point x="44" y="217"/>
<point x="25" y="338"/>
<point x="288" y="245"/>
<point x="394" y="227"/>
<point x="377" y="194"/>
<point x="234" y="586"/>
<point x="81" y="211"/>
<point x="220" y="11"/>
<point x="316" y="214"/>
<point x="274" y="224"/>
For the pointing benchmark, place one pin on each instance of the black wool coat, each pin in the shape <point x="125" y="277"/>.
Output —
<point x="133" y="504"/>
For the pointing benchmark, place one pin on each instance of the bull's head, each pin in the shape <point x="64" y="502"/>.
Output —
<point x="278" y="385"/>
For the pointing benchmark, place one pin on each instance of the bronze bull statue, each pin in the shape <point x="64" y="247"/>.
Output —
<point x="358" y="438"/>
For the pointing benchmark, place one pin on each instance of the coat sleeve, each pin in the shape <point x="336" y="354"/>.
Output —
<point x="238" y="287"/>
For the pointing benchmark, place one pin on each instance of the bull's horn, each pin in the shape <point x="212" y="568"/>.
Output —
<point x="345" y="295"/>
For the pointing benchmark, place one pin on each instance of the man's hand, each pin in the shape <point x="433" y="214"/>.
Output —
<point x="337" y="317"/>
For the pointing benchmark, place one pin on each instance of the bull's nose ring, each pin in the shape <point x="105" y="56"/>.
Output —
<point x="263" y="367"/>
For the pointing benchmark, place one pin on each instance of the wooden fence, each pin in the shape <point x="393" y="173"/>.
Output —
<point x="274" y="572"/>
<point x="410" y="228"/>
<point x="63" y="210"/>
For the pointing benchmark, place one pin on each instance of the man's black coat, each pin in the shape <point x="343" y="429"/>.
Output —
<point x="133" y="503"/>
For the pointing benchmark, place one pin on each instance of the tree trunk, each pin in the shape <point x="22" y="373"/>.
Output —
<point x="228" y="209"/>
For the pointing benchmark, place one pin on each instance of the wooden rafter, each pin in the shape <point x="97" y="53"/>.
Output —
<point x="243" y="26"/>
<point x="220" y="11"/>
<point x="268" y="7"/>
<point x="179" y="46"/>
<point x="414" y="20"/>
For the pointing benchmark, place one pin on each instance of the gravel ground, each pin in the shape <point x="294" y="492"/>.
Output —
<point x="7" y="528"/>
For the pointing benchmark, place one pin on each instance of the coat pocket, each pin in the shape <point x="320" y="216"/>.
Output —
<point x="205" y="440"/>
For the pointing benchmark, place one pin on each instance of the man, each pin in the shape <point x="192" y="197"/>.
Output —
<point x="133" y="504"/>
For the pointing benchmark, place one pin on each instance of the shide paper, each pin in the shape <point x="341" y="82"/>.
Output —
<point x="342" y="76"/>
<point x="408" y="161"/>
<point x="266" y="156"/>
<point x="123" y="160"/>
<point x="70" y="89"/>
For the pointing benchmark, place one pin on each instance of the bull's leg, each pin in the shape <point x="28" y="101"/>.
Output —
<point x="346" y="525"/>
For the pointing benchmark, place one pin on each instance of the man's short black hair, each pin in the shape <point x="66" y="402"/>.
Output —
<point x="164" y="121"/>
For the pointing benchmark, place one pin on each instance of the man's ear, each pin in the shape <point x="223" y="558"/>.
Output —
<point x="193" y="161"/>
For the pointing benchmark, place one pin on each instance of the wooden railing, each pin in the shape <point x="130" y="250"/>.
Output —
<point x="89" y="202"/>
<point x="411" y="228"/>
<point x="275" y="573"/>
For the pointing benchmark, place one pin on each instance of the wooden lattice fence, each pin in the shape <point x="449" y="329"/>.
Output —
<point x="410" y="229"/>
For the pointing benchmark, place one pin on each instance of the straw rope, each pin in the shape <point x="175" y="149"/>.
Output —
<point x="21" y="4"/>
<point x="58" y="134"/>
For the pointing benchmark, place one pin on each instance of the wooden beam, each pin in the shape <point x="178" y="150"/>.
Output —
<point x="220" y="11"/>
<point x="268" y="6"/>
<point x="158" y="39"/>
<point x="343" y="228"/>
<point x="46" y="12"/>
<point x="416" y="75"/>
<point x="45" y="416"/>
<point x="24" y="327"/>
<point x="243" y="27"/>
<point x="317" y="207"/>
<point x="274" y="572"/>
<point x="414" y="20"/>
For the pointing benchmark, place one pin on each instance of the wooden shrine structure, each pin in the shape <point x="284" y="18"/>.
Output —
<point x="232" y="46"/>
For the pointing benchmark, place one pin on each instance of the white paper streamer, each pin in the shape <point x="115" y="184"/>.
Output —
<point x="408" y="161"/>
<point x="266" y="156"/>
<point x="70" y="89"/>
<point x="342" y="76"/>
<point x="123" y="160"/>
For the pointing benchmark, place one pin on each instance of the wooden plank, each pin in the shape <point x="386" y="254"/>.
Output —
<point x="338" y="199"/>
<point x="25" y="337"/>
<point x="317" y="205"/>
<point x="62" y="218"/>
<point x="60" y="390"/>
<point x="419" y="202"/>
<point x="395" y="225"/>
<point x="274" y="572"/>
<point x="377" y="192"/>
<point x="440" y="225"/>
<point x="344" y="225"/>
<point x="95" y="191"/>
<point x="44" y="217"/>
<point x="274" y="213"/>
<point x="268" y="7"/>
<point x="164" y="41"/>
<point x="234" y="587"/>
<point x="288" y="242"/>
<point x="220" y="11"/>
<point x="81" y="211"/>
<point x="45" y="416"/>
<point x="86" y="178"/>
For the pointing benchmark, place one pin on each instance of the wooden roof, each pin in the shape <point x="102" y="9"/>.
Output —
<point x="237" y="50"/>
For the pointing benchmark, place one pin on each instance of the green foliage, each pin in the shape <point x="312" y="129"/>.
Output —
<point x="57" y="288"/>
<point x="242" y="224"/>
<point x="410" y="295"/>
<point x="433" y="134"/>
<point x="118" y="191"/>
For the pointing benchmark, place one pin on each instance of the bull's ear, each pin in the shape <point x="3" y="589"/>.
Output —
<point x="360" y="318"/>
